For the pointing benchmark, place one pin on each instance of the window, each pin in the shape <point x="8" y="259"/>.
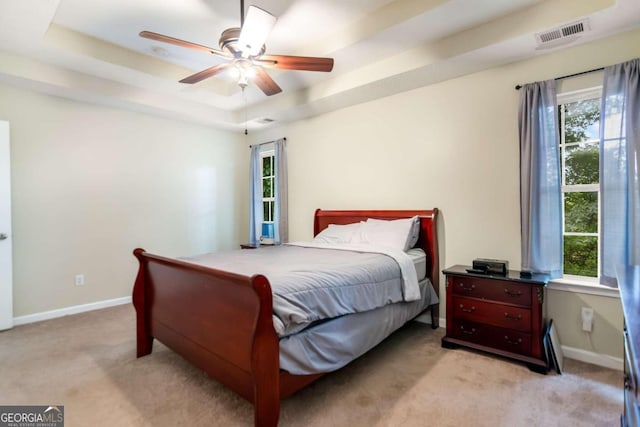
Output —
<point x="579" y="117"/>
<point x="268" y="209"/>
<point x="267" y="159"/>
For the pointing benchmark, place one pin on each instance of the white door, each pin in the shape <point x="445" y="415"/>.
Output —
<point x="6" y="284"/>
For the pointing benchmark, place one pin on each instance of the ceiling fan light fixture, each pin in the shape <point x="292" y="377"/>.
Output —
<point x="251" y="72"/>
<point x="243" y="71"/>
<point x="243" y="81"/>
<point x="255" y="29"/>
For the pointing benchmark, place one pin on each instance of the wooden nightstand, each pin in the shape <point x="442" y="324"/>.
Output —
<point x="503" y="315"/>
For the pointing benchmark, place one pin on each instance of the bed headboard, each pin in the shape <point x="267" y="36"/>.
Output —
<point x="428" y="240"/>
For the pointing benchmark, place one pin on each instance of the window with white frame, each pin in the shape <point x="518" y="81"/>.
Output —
<point x="579" y="124"/>
<point x="267" y="160"/>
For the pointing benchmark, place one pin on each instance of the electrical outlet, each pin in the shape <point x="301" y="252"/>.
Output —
<point x="79" y="279"/>
<point x="587" y="319"/>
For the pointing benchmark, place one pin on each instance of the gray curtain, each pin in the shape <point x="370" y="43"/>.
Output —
<point x="281" y="214"/>
<point x="255" y="197"/>
<point x="540" y="196"/>
<point x="619" y="169"/>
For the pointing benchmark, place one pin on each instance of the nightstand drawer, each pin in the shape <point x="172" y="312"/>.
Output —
<point x="491" y="289"/>
<point x="504" y="316"/>
<point x="492" y="336"/>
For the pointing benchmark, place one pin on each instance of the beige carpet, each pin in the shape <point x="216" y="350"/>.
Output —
<point x="87" y="363"/>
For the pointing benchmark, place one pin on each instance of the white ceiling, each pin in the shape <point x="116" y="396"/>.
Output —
<point x="90" y="49"/>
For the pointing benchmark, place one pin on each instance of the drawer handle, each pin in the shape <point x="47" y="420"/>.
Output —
<point x="468" y="310"/>
<point x="512" y="294"/>
<point x="512" y="342"/>
<point x="471" y="332"/>
<point x="512" y="317"/>
<point x="470" y="288"/>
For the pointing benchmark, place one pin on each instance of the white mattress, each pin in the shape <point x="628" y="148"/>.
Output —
<point x="419" y="258"/>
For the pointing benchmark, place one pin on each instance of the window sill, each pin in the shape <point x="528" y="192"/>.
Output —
<point x="583" y="285"/>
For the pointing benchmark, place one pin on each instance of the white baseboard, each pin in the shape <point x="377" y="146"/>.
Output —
<point x="46" y="315"/>
<point x="426" y="318"/>
<point x="594" y="358"/>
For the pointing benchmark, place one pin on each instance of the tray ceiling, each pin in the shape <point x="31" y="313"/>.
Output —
<point x="90" y="50"/>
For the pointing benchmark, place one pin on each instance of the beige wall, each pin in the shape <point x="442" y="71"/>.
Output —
<point x="606" y="338"/>
<point x="452" y="145"/>
<point x="91" y="183"/>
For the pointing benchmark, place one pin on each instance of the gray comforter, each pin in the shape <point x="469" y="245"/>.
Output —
<point x="312" y="284"/>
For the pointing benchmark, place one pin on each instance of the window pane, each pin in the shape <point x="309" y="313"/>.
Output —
<point x="582" y="120"/>
<point x="268" y="210"/>
<point x="581" y="212"/>
<point x="581" y="255"/>
<point x="267" y="187"/>
<point x="581" y="164"/>
<point x="267" y="165"/>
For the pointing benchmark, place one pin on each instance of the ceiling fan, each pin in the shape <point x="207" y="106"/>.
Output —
<point x="244" y="48"/>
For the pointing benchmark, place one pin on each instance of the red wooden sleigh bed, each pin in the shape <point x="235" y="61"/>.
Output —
<point x="222" y="322"/>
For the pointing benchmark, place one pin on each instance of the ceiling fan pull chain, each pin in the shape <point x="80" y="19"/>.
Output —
<point x="245" y="112"/>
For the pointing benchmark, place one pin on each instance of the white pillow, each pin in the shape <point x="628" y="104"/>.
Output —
<point x="398" y="233"/>
<point x="337" y="233"/>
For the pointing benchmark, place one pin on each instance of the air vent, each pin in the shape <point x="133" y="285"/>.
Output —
<point x="562" y="35"/>
<point x="571" y="29"/>
<point x="550" y="36"/>
<point x="265" y="120"/>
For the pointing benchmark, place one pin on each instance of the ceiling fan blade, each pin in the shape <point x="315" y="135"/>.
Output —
<point x="205" y="74"/>
<point x="304" y="63"/>
<point x="265" y="82"/>
<point x="182" y="43"/>
<point x="255" y="29"/>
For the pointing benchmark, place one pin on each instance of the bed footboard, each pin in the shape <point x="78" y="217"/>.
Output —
<point x="219" y="321"/>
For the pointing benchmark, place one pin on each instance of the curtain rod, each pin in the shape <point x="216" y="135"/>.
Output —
<point x="268" y="142"/>
<point x="518" y="87"/>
